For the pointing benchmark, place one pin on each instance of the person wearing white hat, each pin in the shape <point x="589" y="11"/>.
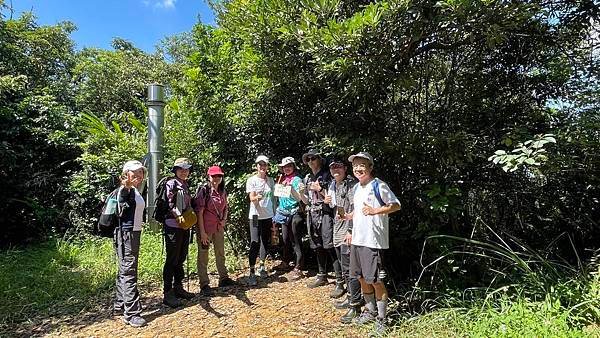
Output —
<point x="127" y="243"/>
<point x="288" y="216"/>
<point x="260" y="192"/>
<point x="373" y="202"/>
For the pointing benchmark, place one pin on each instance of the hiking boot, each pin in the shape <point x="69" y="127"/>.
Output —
<point x="252" y="281"/>
<point x="338" y="291"/>
<point x="365" y="317"/>
<point x="295" y="275"/>
<point x="226" y="282"/>
<point x="379" y="330"/>
<point x="206" y="291"/>
<point x="135" y="321"/>
<point x="180" y="292"/>
<point x="117" y="309"/>
<point x="171" y="300"/>
<point x="262" y="272"/>
<point x="320" y="280"/>
<point x="352" y="313"/>
<point x="283" y="266"/>
<point x="342" y="305"/>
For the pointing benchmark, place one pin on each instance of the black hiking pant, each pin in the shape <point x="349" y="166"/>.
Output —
<point x="291" y="232"/>
<point x="260" y="236"/>
<point x="127" y="248"/>
<point x="176" y="246"/>
<point x="352" y="283"/>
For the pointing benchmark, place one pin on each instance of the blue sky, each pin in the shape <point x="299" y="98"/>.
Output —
<point x="143" y="22"/>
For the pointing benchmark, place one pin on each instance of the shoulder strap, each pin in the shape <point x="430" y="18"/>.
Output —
<point x="375" y="184"/>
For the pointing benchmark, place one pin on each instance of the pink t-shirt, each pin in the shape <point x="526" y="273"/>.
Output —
<point x="215" y="211"/>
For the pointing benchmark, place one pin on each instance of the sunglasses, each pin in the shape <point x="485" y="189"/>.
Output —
<point x="311" y="158"/>
<point x="336" y="166"/>
<point x="217" y="176"/>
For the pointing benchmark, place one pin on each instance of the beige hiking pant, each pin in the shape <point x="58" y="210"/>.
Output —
<point x="218" y="241"/>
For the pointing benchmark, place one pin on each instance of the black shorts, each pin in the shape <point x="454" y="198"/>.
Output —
<point x="365" y="262"/>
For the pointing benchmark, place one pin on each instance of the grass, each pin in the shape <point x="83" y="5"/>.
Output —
<point x="509" y="318"/>
<point x="63" y="277"/>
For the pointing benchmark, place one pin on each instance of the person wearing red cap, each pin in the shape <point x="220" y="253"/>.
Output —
<point x="212" y="208"/>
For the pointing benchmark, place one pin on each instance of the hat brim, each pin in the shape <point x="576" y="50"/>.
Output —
<point x="351" y="158"/>
<point x="281" y="165"/>
<point x="304" y="160"/>
<point x="182" y="166"/>
<point x="218" y="172"/>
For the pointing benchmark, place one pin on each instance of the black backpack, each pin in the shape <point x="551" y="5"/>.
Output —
<point x="110" y="215"/>
<point x="161" y="202"/>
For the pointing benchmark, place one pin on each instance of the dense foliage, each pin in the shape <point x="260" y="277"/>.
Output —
<point x="482" y="116"/>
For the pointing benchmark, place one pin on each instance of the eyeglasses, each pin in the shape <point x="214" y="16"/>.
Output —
<point x="311" y="158"/>
<point x="359" y="166"/>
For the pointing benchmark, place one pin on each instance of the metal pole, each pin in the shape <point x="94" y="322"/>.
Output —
<point x="156" y="118"/>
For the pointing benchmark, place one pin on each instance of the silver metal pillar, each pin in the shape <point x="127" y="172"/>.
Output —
<point x="156" y="120"/>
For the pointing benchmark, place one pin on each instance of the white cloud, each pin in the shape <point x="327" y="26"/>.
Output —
<point x="166" y="4"/>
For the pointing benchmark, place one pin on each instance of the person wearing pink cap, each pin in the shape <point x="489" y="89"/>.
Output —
<point x="212" y="208"/>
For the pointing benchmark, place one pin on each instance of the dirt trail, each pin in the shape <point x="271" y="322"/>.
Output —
<point x="274" y="308"/>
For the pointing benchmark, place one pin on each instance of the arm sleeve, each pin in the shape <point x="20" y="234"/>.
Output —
<point x="250" y="186"/>
<point x="171" y="196"/>
<point x="387" y="195"/>
<point x="350" y="202"/>
<point x="126" y="198"/>
<point x="200" y="200"/>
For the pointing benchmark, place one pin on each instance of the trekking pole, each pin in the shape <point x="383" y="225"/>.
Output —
<point x="187" y="260"/>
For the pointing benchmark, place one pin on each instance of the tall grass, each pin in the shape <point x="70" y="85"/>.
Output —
<point x="65" y="276"/>
<point x="508" y="290"/>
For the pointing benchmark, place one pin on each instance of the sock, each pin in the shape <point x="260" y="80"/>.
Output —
<point x="381" y="308"/>
<point x="370" y="302"/>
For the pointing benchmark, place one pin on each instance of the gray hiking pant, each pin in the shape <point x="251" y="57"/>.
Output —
<point x="127" y="246"/>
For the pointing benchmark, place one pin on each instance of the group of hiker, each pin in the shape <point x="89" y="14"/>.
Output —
<point x="345" y="218"/>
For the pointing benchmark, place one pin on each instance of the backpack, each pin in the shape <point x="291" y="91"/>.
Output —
<point x="161" y="201"/>
<point x="375" y="185"/>
<point x="110" y="215"/>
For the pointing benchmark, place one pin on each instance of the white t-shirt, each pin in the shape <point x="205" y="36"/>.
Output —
<point x="372" y="230"/>
<point x="258" y="185"/>
<point x="138" y="217"/>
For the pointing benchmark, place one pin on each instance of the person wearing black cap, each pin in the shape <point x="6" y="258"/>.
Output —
<point x="340" y="197"/>
<point x="176" y="237"/>
<point x="319" y="219"/>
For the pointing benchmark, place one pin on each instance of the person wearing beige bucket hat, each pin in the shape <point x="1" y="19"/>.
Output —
<point x="176" y="233"/>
